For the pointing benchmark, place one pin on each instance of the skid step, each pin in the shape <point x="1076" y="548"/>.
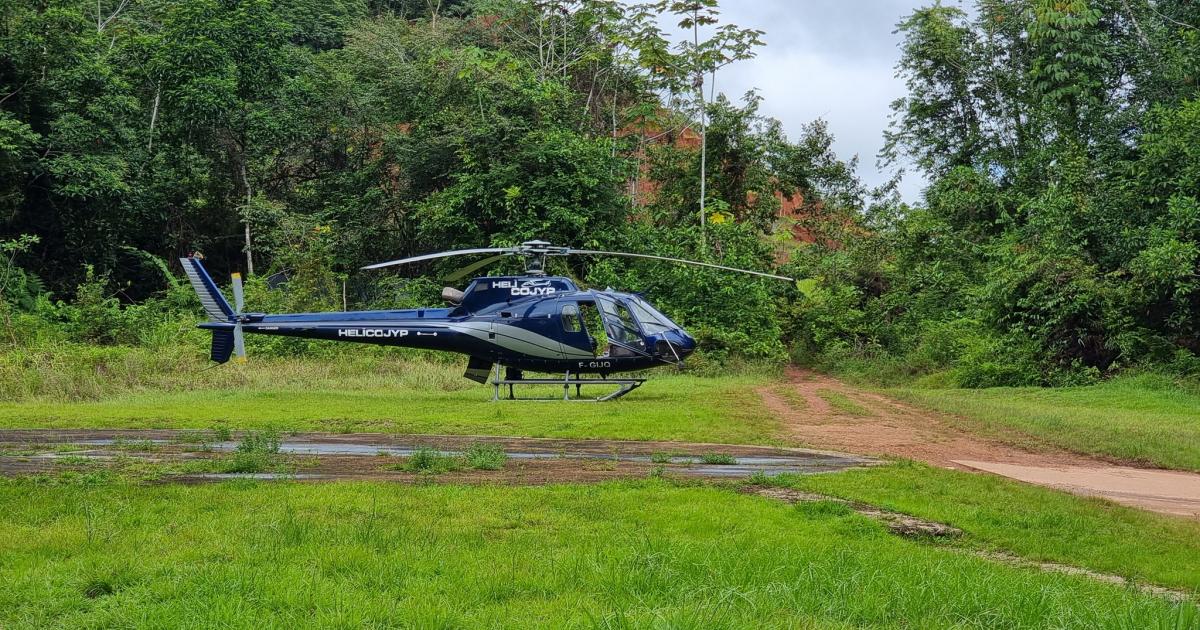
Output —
<point x="625" y="385"/>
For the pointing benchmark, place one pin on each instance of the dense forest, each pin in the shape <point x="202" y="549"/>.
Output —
<point x="1058" y="240"/>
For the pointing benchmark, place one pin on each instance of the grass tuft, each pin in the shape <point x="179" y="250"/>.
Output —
<point x="485" y="457"/>
<point x="258" y="451"/>
<point x="718" y="459"/>
<point x="429" y="461"/>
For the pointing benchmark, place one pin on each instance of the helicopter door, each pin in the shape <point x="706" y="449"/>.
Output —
<point x="624" y="336"/>
<point x="574" y="330"/>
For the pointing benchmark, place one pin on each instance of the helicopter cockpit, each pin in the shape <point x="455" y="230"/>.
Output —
<point x="617" y="325"/>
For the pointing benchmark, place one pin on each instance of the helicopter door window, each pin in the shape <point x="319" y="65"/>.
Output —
<point x="570" y="319"/>
<point x="593" y="324"/>
<point x="619" y="323"/>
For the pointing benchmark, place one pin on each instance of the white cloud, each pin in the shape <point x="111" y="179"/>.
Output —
<point x="826" y="59"/>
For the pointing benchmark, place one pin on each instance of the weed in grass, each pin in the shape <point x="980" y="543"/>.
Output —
<point x="429" y="461"/>
<point x="122" y="444"/>
<point x="221" y="433"/>
<point x="244" y="463"/>
<point x="657" y="472"/>
<point x="842" y="403"/>
<point x="660" y="458"/>
<point x="718" y="459"/>
<point x="485" y="457"/>
<point x="259" y="442"/>
<point x="257" y="452"/>
<point x="191" y="436"/>
<point x="76" y="460"/>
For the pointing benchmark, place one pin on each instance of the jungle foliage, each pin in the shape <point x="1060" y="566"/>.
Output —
<point x="311" y="138"/>
<point x="1058" y="240"/>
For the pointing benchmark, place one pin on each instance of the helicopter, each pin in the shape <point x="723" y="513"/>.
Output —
<point x="531" y="322"/>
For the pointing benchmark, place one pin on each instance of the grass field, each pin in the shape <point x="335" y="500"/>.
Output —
<point x="1029" y="521"/>
<point x="1147" y="419"/>
<point x="365" y="392"/>
<point x="635" y="554"/>
<point x="112" y="550"/>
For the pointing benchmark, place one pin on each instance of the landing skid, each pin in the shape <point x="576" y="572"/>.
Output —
<point x="625" y="385"/>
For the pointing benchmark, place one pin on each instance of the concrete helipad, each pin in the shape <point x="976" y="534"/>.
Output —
<point x="1166" y="491"/>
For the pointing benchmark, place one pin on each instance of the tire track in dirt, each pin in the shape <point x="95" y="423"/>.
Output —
<point x="890" y="428"/>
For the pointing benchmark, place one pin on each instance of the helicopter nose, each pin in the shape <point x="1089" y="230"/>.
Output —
<point x="687" y="343"/>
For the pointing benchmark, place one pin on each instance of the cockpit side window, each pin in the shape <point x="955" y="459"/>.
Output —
<point x="570" y="318"/>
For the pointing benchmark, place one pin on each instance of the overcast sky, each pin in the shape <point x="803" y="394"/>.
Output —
<point x="831" y="59"/>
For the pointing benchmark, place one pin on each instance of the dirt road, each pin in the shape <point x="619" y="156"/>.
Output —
<point x="822" y="412"/>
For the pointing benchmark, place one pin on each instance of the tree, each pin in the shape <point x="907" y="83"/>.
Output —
<point x="683" y="71"/>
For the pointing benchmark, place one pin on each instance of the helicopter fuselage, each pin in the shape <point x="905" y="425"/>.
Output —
<point x="535" y="323"/>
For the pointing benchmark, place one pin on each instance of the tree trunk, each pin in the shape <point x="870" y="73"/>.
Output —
<point x="153" y="118"/>
<point x="246" y="221"/>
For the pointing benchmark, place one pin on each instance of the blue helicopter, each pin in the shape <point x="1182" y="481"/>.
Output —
<point x="531" y="322"/>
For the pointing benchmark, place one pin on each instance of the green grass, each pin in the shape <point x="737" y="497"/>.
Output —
<point x="718" y="459"/>
<point x="485" y="457"/>
<point x="644" y="554"/>
<point x="842" y="403"/>
<point x="431" y="461"/>
<point x="1146" y="419"/>
<point x="669" y="407"/>
<point x="434" y="462"/>
<point x="1029" y="521"/>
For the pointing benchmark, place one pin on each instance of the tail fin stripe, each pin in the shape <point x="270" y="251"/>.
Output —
<point x="214" y="303"/>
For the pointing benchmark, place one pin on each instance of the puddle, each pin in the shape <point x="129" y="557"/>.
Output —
<point x="802" y="462"/>
<point x="261" y="476"/>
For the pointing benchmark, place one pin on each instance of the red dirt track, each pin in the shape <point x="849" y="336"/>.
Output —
<point x="894" y="429"/>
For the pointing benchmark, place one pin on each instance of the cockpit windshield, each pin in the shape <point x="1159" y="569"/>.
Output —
<point x="653" y="322"/>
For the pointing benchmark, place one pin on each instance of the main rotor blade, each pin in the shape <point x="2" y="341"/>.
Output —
<point x="457" y="252"/>
<point x="463" y="272"/>
<point x="680" y="260"/>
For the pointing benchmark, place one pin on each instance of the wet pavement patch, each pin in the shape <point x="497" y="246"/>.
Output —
<point x="331" y="456"/>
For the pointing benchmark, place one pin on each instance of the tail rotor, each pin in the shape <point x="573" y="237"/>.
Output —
<point x="239" y="305"/>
